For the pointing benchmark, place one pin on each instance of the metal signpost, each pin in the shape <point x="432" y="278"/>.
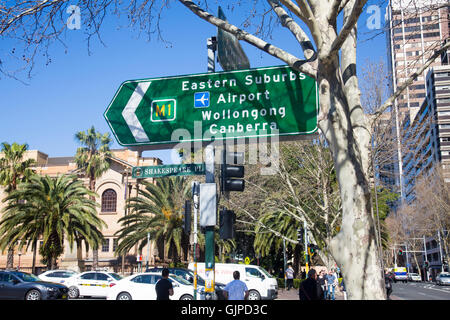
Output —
<point x="159" y="113"/>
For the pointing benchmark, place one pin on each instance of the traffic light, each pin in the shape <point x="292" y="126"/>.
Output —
<point x="400" y="252"/>
<point x="300" y="235"/>
<point x="312" y="249"/>
<point x="426" y="264"/>
<point x="227" y="219"/>
<point x="229" y="173"/>
<point x="187" y="217"/>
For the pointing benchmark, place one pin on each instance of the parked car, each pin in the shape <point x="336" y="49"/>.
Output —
<point x="141" y="286"/>
<point x="414" y="277"/>
<point x="443" y="279"/>
<point x="188" y="274"/>
<point x="57" y="276"/>
<point x="92" y="284"/>
<point x="26" y="286"/>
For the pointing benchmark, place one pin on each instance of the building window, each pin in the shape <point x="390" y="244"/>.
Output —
<point x="115" y="243"/>
<point x="105" y="245"/>
<point x="109" y="201"/>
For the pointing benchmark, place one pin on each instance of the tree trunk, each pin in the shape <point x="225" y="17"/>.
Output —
<point x="10" y="258"/>
<point x="33" y="267"/>
<point x="354" y="247"/>
<point x="94" y="259"/>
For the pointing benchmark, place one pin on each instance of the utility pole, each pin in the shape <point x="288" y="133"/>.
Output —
<point x="305" y="227"/>
<point x="440" y="251"/>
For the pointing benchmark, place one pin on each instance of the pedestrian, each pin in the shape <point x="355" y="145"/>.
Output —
<point x="322" y="285"/>
<point x="236" y="289"/>
<point x="331" y="285"/>
<point x="388" y="283"/>
<point x="308" y="287"/>
<point x="164" y="287"/>
<point x="343" y="289"/>
<point x="289" y="274"/>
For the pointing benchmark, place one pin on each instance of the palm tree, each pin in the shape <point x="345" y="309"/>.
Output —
<point x="92" y="159"/>
<point x="157" y="209"/>
<point x="54" y="208"/>
<point x="14" y="170"/>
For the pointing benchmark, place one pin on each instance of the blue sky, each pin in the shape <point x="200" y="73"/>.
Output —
<point x="72" y="92"/>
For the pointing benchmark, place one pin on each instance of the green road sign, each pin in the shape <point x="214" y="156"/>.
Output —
<point x="230" y="54"/>
<point x="161" y="112"/>
<point x="187" y="169"/>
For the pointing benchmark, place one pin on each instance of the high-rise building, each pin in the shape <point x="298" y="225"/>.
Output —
<point x="415" y="29"/>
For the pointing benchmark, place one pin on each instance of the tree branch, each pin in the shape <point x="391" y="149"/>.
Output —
<point x="291" y="60"/>
<point x="349" y="24"/>
<point x="296" y="30"/>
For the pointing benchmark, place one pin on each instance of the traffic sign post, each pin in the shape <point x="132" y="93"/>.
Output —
<point x="159" y="113"/>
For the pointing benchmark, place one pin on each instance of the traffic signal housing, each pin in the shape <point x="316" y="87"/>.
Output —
<point x="312" y="249"/>
<point x="400" y="252"/>
<point x="426" y="264"/>
<point x="229" y="173"/>
<point x="300" y="235"/>
<point x="187" y="217"/>
<point x="227" y="219"/>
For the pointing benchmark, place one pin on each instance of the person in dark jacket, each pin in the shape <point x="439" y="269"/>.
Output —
<point x="321" y="285"/>
<point x="308" y="289"/>
<point x="388" y="283"/>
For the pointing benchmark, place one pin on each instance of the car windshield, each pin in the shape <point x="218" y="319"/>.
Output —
<point x="115" y="275"/>
<point x="200" y="280"/>
<point x="413" y="274"/>
<point x="445" y="275"/>
<point x="181" y="280"/>
<point x="27" y="277"/>
<point x="265" y="272"/>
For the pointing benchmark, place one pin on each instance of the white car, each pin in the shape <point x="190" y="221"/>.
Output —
<point x="443" y="279"/>
<point x="92" y="284"/>
<point x="414" y="277"/>
<point x="141" y="286"/>
<point x="57" y="276"/>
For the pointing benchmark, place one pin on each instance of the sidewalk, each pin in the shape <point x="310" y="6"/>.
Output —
<point x="293" y="294"/>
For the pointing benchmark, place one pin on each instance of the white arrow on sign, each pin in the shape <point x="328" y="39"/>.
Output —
<point x="129" y="112"/>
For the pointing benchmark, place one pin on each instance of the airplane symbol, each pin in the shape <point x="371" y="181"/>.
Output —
<point x="201" y="99"/>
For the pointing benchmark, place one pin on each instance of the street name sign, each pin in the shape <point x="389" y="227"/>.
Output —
<point x="161" y="112"/>
<point x="187" y="169"/>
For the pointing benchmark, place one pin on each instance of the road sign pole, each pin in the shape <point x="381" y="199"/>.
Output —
<point x="195" y="200"/>
<point x="209" y="178"/>
<point x="284" y="262"/>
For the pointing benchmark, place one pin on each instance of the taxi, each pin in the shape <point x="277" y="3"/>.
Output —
<point x="92" y="284"/>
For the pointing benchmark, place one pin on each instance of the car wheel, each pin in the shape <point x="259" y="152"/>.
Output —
<point x="254" y="295"/>
<point x="187" y="297"/>
<point x="33" y="294"/>
<point x="124" y="296"/>
<point x="74" y="292"/>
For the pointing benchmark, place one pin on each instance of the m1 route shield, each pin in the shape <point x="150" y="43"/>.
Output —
<point x="261" y="102"/>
